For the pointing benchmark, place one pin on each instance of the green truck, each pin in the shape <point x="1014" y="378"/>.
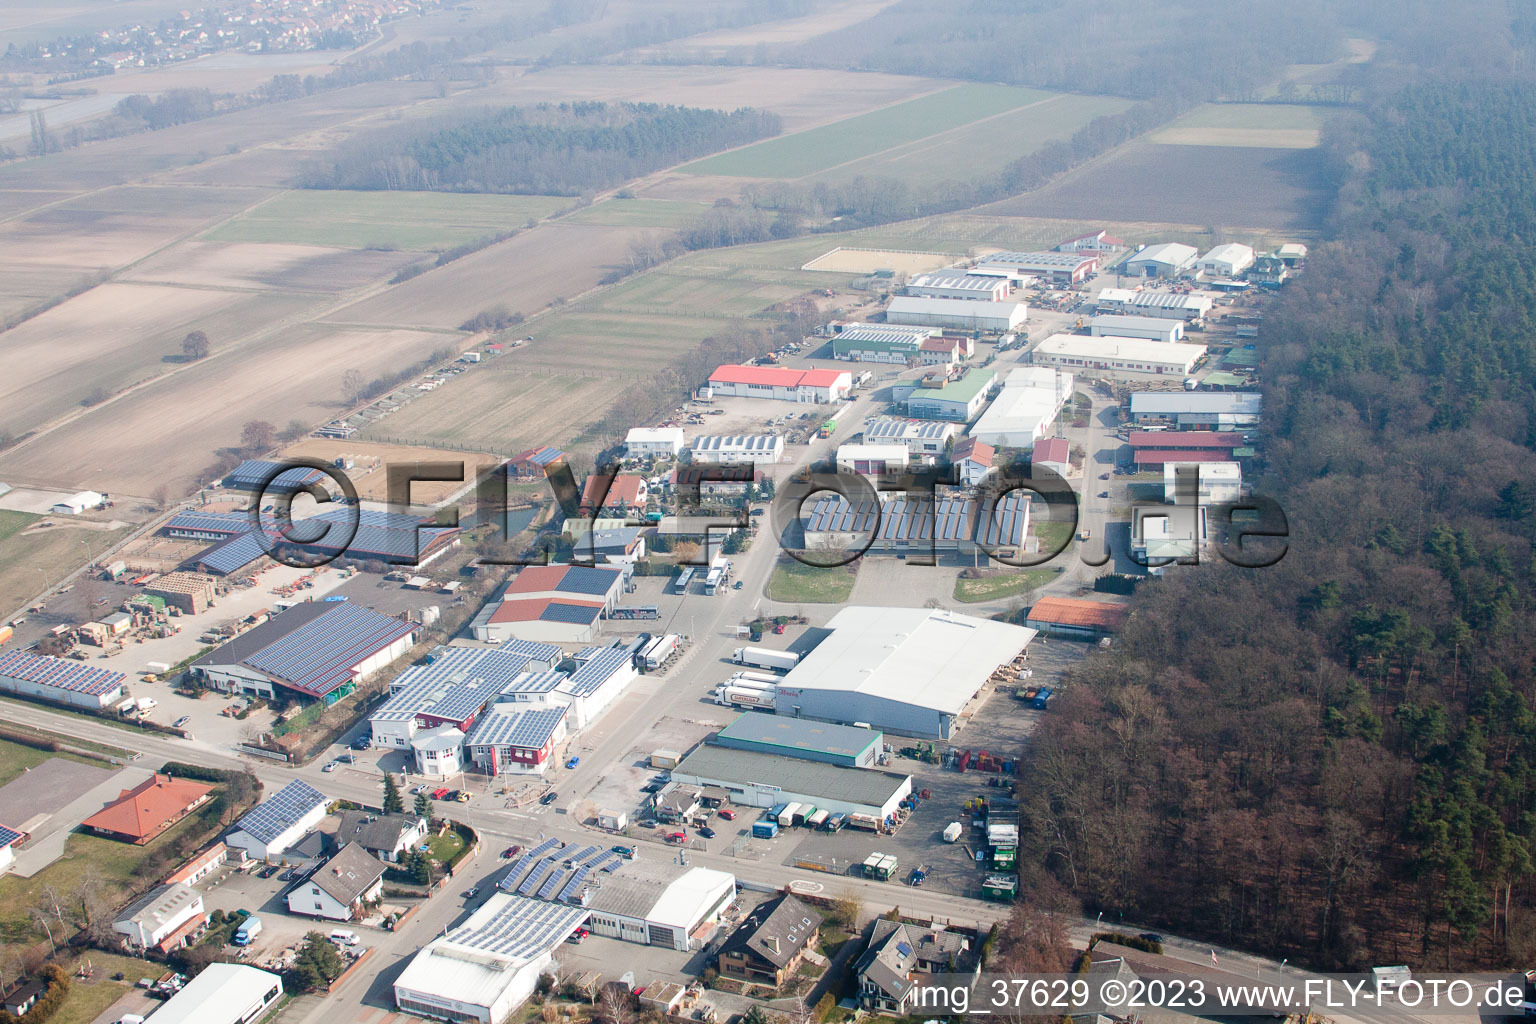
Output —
<point x="1001" y="888"/>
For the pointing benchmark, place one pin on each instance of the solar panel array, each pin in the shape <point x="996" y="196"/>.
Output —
<point x="8" y="836"/>
<point x="59" y="674"/>
<point x="562" y="611"/>
<point x="319" y="656"/>
<point x="531" y="728"/>
<point x="551" y="884"/>
<point x="533" y="682"/>
<point x="454" y="685"/>
<point x="535" y="876"/>
<point x="523" y="929"/>
<point x="583" y="854"/>
<point x="597" y="670"/>
<point x="510" y="879"/>
<point x="281" y="811"/>
<point x="232" y="555"/>
<point x="387" y="534"/>
<point x="576" y="579"/>
<point x="573" y="887"/>
<point x="608" y="862"/>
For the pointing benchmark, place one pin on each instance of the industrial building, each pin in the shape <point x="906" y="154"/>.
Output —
<point x="877" y="343"/>
<point x="1197" y="410"/>
<point x="1075" y="618"/>
<point x="1165" y="259"/>
<point x="1054" y="454"/>
<point x="781" y="383"/>
<point x="190" y="592"/>
<point x="651" y="904"/>
<point x="1094" y="241"/>
<point x="453" y="686"/>
<point x="552" y="604"/>
<point x="651" y="442"/>
<point x="515" y="739"/>
<point x="1227" y="260"/>
<point x="318" y="650"/>
<point x="845" y="745"/>
<point x="264" y="476"/>
<point x="960" y="314"/>
<point x="1223" y="442"/>
<point x="78" y="503"/>
<point x="1162" y="533"/>
<point x="163" y="919"/>
<point x="387" y="537"/>
<point x="1029" y="403"/>
<point x="753" y="779"/>
<point x="959" y="285"/>
<point x="910" y="671"/>
<point x="59" y="680"/>
<point x="488" y="966"/>
<point x="1157" y="459"/>
<point x="9" y="838"/>
<point x="1153" y="328"/>
<point x="956" y="527"/>
<point x="1216" y="483"/>
<point x="223" y="994"/>
<point x="1059" y="268"/>
<point x="873" y="459"/>
<point x="1166" y="305"/>
<point x="957" y="400"/>
<point x="279" y="821"/>
<point x="924" y="439"/>
<point x="1117" y="355"/>
<point x="738" y="449"/>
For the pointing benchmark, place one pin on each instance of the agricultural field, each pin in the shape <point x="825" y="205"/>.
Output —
<point x="166" y="431"/>
<point x="683" y="291"/>
<point x="526" y="273"/>
<point x="392" y="220"/>
<point x="255" y="266"/>
<point x="867" y="261"/>
<point x="819" y="149"/>
<point x="1265" y="125"/>
<point x="791" y="30"/>
<point x="638" y="213"/>
<point x="370" y="474"/>
<point x="982" y="147"/>
<point x="1228" y="186"/>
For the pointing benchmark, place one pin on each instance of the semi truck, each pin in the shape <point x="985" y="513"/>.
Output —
<point x="787" y="815"/>
<point x="713" y="580"/>
<point x="660" y="650"/>
<point x="762" y="657"/>
<point x="737" y="695"/>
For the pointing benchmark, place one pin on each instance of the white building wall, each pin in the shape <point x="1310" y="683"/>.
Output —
<point x="261" y="851"/>
<point x="27" y="687"/>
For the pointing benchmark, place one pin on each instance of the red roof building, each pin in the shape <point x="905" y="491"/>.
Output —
<point x="1156" y="458"/>
<point x="1185" y="439"/>
<point x="1068" y="616"/>
<point x="148" y="809"/>
<point x="781" y="382"/>
<point x="625" y="491"/>
<point x="1051" y="451"/>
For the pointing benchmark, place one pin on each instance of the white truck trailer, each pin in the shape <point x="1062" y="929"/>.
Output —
<point x="762" y="657"/>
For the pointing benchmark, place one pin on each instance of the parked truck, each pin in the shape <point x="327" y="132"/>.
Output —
<point x="739" y="695"/>
<point x="867" y="822"/>
<point x="767" y="828"/>
<point x="248" y="930"/>
<point x="787" y="815"/>
<point x="952" y="832"/>
<point x="762" y="657"/>
<point x="660" y="650"/>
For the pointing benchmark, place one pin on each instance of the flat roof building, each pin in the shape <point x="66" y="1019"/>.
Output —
<point x="1154" y="328"/>
<point x="956" y="285"/>
<point x="918" y="524"/>
<point x="911" y="671"/>
<point x="1030" y="401"/>
<point x="754" y="779"/>
<point x="223" y="994"/>
<point x="957" y="401"/>
<point x="923" y="438"/>
<point x="959" y="314"/>
<point x="845" y="745"/>
<point x="873" y="459"/>
<point x="737" y="449"/>
<point x="1197" y="410"/>
<point x="1117" y="355"/>
<point x="1227" y="260"/>
<point x="643" y="442"/>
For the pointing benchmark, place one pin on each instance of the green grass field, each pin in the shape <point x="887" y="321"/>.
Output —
<point x="16" y="758"/>
<point x="29" y="562"/>
<point x="89" y="997"/>
<point x="638" y="213"/>
<point x="14" y="522"/>
<point x="1282" y="125"/>
<point x="996" y="588"/>
<point x="796" y="582"/>
<point x="982" y="148"/>
<point x="824" y="147"/>
<point x="399" y="220"/>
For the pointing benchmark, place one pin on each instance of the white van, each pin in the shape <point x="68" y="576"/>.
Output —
<point x="344" y="937"/>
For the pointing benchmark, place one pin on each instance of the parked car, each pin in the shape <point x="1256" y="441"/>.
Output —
<point x="736" y="585"/>
<point x="440" y="794"/>
<point x="471" y="892"/>
<point x="183" y="720"/>
<point x="677" y="837"/>
<point x="362" y="743"/>
<point x="727" y="814"/>
<point x="1103" y="476"/>
<point x="462" y="796"/>
<point x="758" y="511"/>
<point x="706" y="832"/>
<point x="331" y="766"/>
<point x="418" y="789"/>
<point x="572" y="762"/>
<point x="549" y="798"/>
<point x="1103" y="494"/>
<point x="627" y="852"/>
<point x="511" y="851"/>
<point x="1150" y="937"/>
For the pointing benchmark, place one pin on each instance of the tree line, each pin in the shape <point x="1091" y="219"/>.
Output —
<point x="1334" y="759"/>
<point x="548" y="149"/>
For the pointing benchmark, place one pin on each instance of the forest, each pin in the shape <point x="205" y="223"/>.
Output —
<point x="549" y="149"/>
<point x="1334" y="758"/>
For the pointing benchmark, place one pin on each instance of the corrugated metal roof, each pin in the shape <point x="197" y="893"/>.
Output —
<point x="778" y="376"/>
<point x="755" y="444"/>
<point x="1067" y="611"/>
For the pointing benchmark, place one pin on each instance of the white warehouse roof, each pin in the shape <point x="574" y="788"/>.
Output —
<point x="1231" y="252"/>
<point x="219" y="995"/>
<point x="998" y="314"/>
<point x="1031" y="399"/>
<point x="1110" y="348"/>
<point x="926" y="657"/>
<point x="1160" y="403"/>
<point x="1174" y="254"/>
<point x="684" y="900"/>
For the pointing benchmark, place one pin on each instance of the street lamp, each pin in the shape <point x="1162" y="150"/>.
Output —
<point x="1097" y="920"/>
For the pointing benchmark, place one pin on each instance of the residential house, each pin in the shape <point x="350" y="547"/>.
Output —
<point x="165" y="918"/>
<point x="770" y="944"/>
<point x="973" y="460"/>
<point x="533" y="463"/>
<point x="898" y="953"/>
<point x="341" y="888"/>
<point x="148" y="809"/>
<point x="385" y="836"/>
<point x="21" y="997"/>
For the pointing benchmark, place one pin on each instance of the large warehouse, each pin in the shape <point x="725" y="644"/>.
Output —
<point x="386" y="537"/>
<point x="318" y="650"/>
<point x="1227" y="260"/>
<point x="754" y="779"/>
<point x="737" y="449"/>
<point x="453" y="686"/>
<point x="958" y="285"/>
<point x="953" y="526"/>
<point x="1155" y="328"/>
<point x="1120" y="355"/>
<point x="925" y="439"/>
<point x="958" y="400"/>
<point x="910" y="671"/>
<point x="960" y="314"/>
<point x="488" y="966"/>
<point x="1166" y="305"/>
<point x="1031" y="399"/>
<point x="552" y="604"/>
<point x="223" y="994"/>
<point x="1197" y="410"/>
<point x="847" y="745"/>
<point x="877" y="343"/>
<point x="1059" y="268"/>
<point x="67" y="682"/>
<point x="1165" y="259"/>
<point x="782" y="383"/>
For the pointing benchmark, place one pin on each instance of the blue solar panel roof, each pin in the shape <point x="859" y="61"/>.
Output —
<point x="534" y="682"/>
<point x="233" y="554"/>
<point x="251" y="473"/>
<point x="597" y="669"/>
<point x="453" y="684"/>
<point x="503" y="727"/>
<point x="8" y="836"/>
<point x="388" y="535"/>
<point x="321" y="654"/>
<point x="60" y="674"/>
<point x="281" y="811"/>
<point x="576" y="614"/>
